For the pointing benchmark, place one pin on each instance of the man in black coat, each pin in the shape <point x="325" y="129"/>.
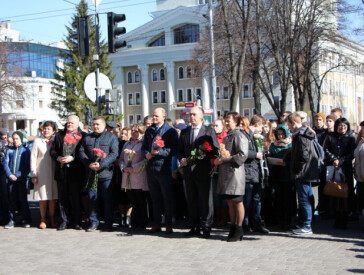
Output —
<point x="99" y="171"/>
<point x="69" y="173"/>
<point x="197" y="176"/>
<point x="160" y="181"/>
<point x="303" y="173"/>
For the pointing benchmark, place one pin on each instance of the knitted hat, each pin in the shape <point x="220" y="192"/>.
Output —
<point x="322" y="116"/>
<point x="19" y="134"/>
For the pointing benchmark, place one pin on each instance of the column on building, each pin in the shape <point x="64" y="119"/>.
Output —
<point x="206" y="90"/>
<point x="14" y="124"/>
<point x="27" y="127"/>
<point x="144" y="72"/>
<point x="7" y="124"/>
<point x="119" y="81"/>
<point x="170" y="67"/>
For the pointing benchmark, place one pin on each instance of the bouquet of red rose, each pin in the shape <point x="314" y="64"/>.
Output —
<point x="198" y="153"/>
<point x="158" y="143"/>
<point x="70" y="141"/>
<point x="99" y="154"/>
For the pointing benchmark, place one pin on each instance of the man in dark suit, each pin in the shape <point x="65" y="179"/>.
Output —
<point x="159" y="172"/>
<point x="197" y="176"/>
<point x="69" y="174"/>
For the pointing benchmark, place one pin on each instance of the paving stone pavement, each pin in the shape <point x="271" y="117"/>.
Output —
<point x="327" y="251"/>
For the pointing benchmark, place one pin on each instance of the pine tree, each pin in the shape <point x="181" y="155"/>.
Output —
<point x="69" y="96"/>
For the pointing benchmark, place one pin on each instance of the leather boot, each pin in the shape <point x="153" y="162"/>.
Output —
<point x="232" y="230"/>
<point x="127" y="221"/>
<point x="238" y="235"/>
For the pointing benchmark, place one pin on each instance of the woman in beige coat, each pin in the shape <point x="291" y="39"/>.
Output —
<point x="42" y="173"/>
<point x="231" y="181"/>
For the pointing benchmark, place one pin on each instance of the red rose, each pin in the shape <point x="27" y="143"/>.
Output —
<point x="159" y="141"/>
<point x="207" y="146"/>
<point x="98" y="152"/>
<point x="77" y="136"/>
<point x="69" y="139"/>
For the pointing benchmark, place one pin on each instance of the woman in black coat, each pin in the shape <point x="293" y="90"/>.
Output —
<point x="339" y="149"/>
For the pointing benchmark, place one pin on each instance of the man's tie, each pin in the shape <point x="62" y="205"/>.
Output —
<point x="194" y="134"/>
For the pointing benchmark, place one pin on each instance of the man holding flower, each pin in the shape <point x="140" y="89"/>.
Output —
<point x="68" y="172"/>
<point x="200" y="140"/>
<point x="98" y="152"/>
<point x="159" y="145"/>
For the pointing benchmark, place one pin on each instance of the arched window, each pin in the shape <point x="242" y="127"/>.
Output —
<point x="160" y="41"/>
<point x="188" y="33"/>
<point x="154" y="75"/>
<point x="137" y="77"/>
<point x="189" y="72"/>
<point x="161" y="75"/>
<point x="180" y="73"/>
<point x="130" y="77"/>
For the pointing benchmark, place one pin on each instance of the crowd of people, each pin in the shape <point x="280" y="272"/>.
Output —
<point x="255" y="174"/>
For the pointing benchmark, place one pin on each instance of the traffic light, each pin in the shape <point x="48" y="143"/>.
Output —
<point x="112" y="102"/>
<point x="114" y="31"/>
<point x="81" y="36"/>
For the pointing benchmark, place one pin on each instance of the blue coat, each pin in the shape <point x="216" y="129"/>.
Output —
<point x="106" y="142"/>
<point x="17" y="159"/>
<point x="161" y="163"/>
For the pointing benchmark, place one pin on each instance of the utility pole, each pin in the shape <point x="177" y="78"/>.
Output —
<point x="212" y="64"/>
<point x="96" y="57"/>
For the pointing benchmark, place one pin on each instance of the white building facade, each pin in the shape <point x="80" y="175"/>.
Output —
<point x="156" y="70"/>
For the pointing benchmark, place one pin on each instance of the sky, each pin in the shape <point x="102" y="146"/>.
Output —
<point x="45" y="20"/>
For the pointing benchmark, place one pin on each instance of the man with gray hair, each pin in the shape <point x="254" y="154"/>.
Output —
<point x="69" y="172"/>
<point x="159" y="156"/>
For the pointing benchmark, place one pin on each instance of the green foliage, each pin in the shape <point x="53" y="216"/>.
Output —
<point x="69" y="96"/>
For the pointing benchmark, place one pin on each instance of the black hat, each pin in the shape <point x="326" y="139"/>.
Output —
<point x="111" y="124"/>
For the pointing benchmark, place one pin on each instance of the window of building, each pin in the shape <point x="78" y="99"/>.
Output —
<point x="130" y="77"/>
<point x="131" y="120"/>
<point x="40" y="88"/>
<point x="189" y="94"/>
<point x="19" y="104"/>
<point x="180" y="73"/>
<point x="155" y="97"/>
<point x="137" y="76"/>
<point x="188" y="72"/>
<point x="226" y="92"/>
<point x="246" y="91"/>
<point x="225" y="113"/>
<point x="275" y="78"/>
<point x="218" y="92"/>
<point x="188" y="33"/>
<point x="163" y="96"/>
<point x="180" y="95"/>
<point x="161" y="75"/>
<point x="130" y="99"/>
<point x="154" y="75"/>
<point x="246" y="113"/>
<point x="218" y="112"/>
<point x="138" y="118"/>
<point x="40" y="103"/>
<point x="160" y="41"/>
<point x="198" y="93"/>
<point x="138" y="99"/>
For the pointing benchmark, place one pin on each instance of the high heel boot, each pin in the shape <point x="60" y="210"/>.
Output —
<point x="238" y="235"/>
<point x="232" y="230"/>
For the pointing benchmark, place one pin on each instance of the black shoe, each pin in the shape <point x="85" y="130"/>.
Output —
<point x="92" y="227"/>
<point x="238" y="235"/>
<point x="195" y="231"/>
<point x="122" y="221"/>
<point x="246" y="229"/>
<point x="127" y="221"/>
<point x="77" y="227"/>
<point x="261" y="229"/>
<point x="232" y="230"/>
<point x="62" y="226"/>
<point x="206" y="233"/>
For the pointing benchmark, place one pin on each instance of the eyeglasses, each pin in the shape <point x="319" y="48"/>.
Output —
<point x="216" y="125"/>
